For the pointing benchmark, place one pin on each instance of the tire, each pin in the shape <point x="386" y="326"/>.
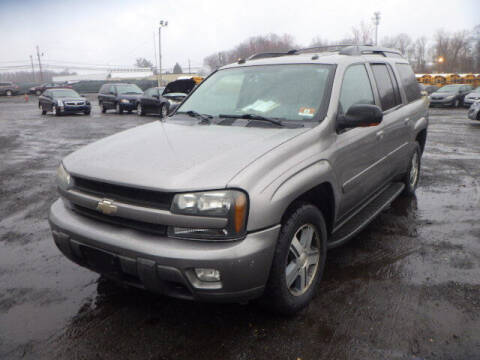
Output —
<point x="118" y="108"/>
<point x="456" y="103"/>
<point x="55" y="111"/>
<point x="293" y="259"/>
<point x="129" y="111"/>
<point x="411" y="178"/>
<point x="8" y="92"/>
<point x="87" y="112"/>
<point x="141" y="110"/>
<point x="163" y="110"/>
<point x="38" y="92"/>
<point x="104" y="109"/>
<point x="44" y="112"/>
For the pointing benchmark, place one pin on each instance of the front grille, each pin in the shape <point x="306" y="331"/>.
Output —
<point x="129" y="195"/>
<point x="115" y="220"/>
<point x="75" y="103"/>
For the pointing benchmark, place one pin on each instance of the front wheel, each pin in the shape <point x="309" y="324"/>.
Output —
<point x="9" y="93"/>
<point x="55" y="111"/>
<point x="413" y="174"/>
<point x="119" y="109"/>
<point x="298" y="261"/>
<point x="141" y="110"/>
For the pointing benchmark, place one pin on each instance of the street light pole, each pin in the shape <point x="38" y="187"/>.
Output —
<point x="376" y="21"/>
<point x="162" y="24"/>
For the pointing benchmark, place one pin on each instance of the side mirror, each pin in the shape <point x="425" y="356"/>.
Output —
<point x="360" y="115"/>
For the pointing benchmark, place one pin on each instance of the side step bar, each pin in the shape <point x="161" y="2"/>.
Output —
<point x="355" y="224"/>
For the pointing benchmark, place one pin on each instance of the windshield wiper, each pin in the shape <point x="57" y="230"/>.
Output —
<point x="206" y="119"/>
<point x="252" y="117"/>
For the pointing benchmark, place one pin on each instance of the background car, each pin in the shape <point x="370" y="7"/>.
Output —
<point x="161" y="101"/>
<point x="474" y="111"/>
<point x="38" y="90"/>
<point x="63" y="101"/>
<point x="450" y="95"/>
<point x="8" y="88"/>
<point x="473" y="96"/>
<point x="429" y="89"/>
<point x="119" y="96"/>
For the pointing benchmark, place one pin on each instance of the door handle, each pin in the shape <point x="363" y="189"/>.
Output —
<point x="380" y="135"/>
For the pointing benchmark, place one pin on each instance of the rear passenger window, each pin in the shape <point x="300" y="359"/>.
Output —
<point x="356" y="88"/>
<point x="386" y="85"/>
<point x="407" y="78"/>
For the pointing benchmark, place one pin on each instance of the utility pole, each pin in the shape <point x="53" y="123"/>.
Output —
<point x="39" y="64"/>
<point x="156" y="61"/>
<point x="33" y="69"/>
<point x="162" y="24"/>
<point x="189" y="71"/>
<point x="376" y="21"/>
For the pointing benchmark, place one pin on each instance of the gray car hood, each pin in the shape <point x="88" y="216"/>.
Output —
<point x="175" y="156"/>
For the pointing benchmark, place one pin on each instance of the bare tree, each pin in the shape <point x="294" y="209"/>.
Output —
<point x="363" y="34"/>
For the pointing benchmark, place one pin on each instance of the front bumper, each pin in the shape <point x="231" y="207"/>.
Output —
<point x="165" y="265"/>
<point x="132" y="105"/>
<point x="442" y="102"/>
<point x="71" y="109"/>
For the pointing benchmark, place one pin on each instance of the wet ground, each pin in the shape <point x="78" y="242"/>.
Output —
<point x="408" y="287"/>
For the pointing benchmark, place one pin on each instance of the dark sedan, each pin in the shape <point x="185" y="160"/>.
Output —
<point x="63" y="101"/>
<point x="161" y="101"/>
<point x="38" y="90"/>
<point x="119" y="96"/>
<point x="450" y="95"/>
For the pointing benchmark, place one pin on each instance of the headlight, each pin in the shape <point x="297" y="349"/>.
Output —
<point x="229" y="204"/>
<point x="124" y="101"/>
<point x="59" y="102"/>
<point x="64" y="180"/>
<point x="450" y="97"/>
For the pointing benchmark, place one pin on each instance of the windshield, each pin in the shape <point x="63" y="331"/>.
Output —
<point x="62" y="93"/>
<point x="286" y="92"/>
<point x="129" y="89"/>
<point x="449" y="88"/>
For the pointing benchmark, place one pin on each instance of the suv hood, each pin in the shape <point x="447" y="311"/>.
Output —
<point x="180" y="86"/>
<point x="176" y="156"/>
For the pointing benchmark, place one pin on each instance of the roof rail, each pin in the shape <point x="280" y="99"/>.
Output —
<point x="357" y="50"/>
<point x="333" y="47"/>
<point x="268" y="55"/>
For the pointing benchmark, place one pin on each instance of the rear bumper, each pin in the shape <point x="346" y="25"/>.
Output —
<point x="165" y="265"/>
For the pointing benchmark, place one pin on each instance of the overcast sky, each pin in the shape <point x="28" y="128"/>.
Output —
<point x="118" y="31"/>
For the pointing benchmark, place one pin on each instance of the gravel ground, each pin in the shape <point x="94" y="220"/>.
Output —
<point x="407" y="287"/>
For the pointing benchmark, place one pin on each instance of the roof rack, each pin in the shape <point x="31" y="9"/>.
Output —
<point x="343" y="49"/>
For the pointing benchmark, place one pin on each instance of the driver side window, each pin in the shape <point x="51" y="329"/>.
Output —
<point x="356" y="88"/>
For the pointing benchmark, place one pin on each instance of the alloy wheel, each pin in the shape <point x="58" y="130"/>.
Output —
<point x="414" y="170"/>
<point x="302" y="260"/>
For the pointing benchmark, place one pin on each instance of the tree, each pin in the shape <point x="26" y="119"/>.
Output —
<point x="143" y="63"/>
<point x="177" y="69"/>
<point x="362" y="34"/>
<point x="250" y="46"/>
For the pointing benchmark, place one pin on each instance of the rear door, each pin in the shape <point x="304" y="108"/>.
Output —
<point x="394" y="125"/>
<point x="357" y="150"/>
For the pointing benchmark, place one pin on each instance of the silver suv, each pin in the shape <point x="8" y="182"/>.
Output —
<point x="240" y="192"/>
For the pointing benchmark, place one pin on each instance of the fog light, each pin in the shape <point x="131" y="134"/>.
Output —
<point x="209" y="275"/>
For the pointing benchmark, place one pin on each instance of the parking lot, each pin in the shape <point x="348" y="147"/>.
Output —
<point x="407" y="287"/>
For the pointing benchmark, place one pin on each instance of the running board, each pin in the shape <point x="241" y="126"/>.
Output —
<point x="354" y="225"/>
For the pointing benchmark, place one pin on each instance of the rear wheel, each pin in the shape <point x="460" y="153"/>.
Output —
<point x="413" y="174"/>
<point x="299" y="260"/>
<point x="163" y="110"/>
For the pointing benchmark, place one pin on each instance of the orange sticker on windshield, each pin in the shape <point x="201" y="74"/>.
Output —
<point x="305" y="111"/>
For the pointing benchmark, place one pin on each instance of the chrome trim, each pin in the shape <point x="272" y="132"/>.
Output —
<point x="145" y="214"/>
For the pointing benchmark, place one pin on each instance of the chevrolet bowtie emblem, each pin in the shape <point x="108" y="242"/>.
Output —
<point x="106" y="206"/>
